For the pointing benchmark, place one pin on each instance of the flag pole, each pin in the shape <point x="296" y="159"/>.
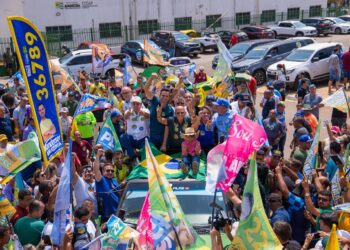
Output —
<point x="213" y="209"/>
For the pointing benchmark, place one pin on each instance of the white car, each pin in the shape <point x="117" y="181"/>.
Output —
<point x="339" y="26"/>
<point x="312" y="60"/>
<point x="81" y="60"/>
<point x="293" y="28"/>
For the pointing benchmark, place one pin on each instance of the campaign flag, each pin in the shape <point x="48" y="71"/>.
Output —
<point x="19" y="156"/>
<point x="120" y="232"/>
<point x="118" y="76"/>
<point x="338" y="100"/>
<point x="187" y="71"/>
<point x="33" y="60"/>
<point x="10" y="83"/>
<point x="204" y="89"/>
<point x="167" y="214"/>
<point x="224" y="63"/>
<point x="108" y="138"/>
<point x="62" y="77"/>
<point x="19" y="185"/>
<point x="311" y="158"/>
<point x="347" y="162"/>
<point x="335" y="187"/>
<point x="170" y="166"/>
<point x="333" y="242"/>
<point x="244" y="137"/>
<point x="90" y="102"/>
<point x="254" y="229"/>
<point x="101" y="56"/>
<point x="127" y="70"/>
<point x="152" y="55"/>
<point x="345" y="207"/>
<point x="63" y="200"/>
<point x="216" y="171"/>
<point x="144" y="225"/>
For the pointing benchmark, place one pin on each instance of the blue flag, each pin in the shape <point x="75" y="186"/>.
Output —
<point x="90" y="102"/>
<point x="63" y="200"/>
<point x="127" y="70"/>
<point x="108" y="138"/>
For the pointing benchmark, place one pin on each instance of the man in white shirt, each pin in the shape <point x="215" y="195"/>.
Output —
<point x="137" y="127"/>
<point x="240" y="106"/>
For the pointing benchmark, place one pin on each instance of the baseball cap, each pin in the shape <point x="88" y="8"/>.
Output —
<point x="210" y="98"/>
<point x="115" y="113"/>
<point x="70" y="93"/>
<point x="222" y="102"/>
<point x="136" y="99"/>
<point x="277" y="153"/>
<point x="305" y="138"/>
<point x="312" y="86"/>
<point x="244" y="97"/>
<point x="335" y="129"/>
<point x="3" y="137"/>
<point x="64" y="110"/>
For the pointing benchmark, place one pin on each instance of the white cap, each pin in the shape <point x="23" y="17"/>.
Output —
<point x="136" y="99"/>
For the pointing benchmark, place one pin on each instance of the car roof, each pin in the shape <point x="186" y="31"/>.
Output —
<point x="316" y="46"/>
<point x="251" y="42"/>
<point x="255" y="26"/>
<point x="279" y="42"/>
<point x="289" y="21"/>
<point x="345" y="16"/>
<point x="313" y="18"/>
<point x="166" y="31"/>
<point x="81" y="51"/>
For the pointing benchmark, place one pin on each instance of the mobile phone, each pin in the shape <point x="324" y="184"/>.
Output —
<point x="317" y="235"/>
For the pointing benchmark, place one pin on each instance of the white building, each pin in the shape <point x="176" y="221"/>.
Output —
<point x="113" y="21"/>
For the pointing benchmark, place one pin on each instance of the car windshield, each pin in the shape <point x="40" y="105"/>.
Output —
<point x="239" y="49"/>
<point x="338" y="20"/>
<point x="65" y="58"/>
<point x="180" y="36"/>
<point x="256" y="53"/>
<point x="299" y="24"/>
<point x="299" y="55"/>
<point x="197" y="215"/>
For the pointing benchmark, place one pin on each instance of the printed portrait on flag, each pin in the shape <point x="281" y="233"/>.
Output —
<point x="47" y="127"/>
<point x="101" y="56"/>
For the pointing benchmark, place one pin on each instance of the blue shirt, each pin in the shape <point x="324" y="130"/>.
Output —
<point x="331" y="169"/>
<point x="106" y="190"/>
<point x="280" y="214"/>
<point x="223" y="123"/>
<point x="157" y="128"/>
<point x="206" y="137"/>
<point x="298" y="222"/>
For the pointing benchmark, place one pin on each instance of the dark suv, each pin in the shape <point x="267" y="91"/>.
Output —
<point x="183" y="44"/>
<point x="323" y="26"/>
<point x="226" y="35"/>
<point x="258" y="59"/>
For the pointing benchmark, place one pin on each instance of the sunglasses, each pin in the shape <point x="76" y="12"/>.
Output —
<point x="110" y="171"/>
<point x="180" y="113"/>
<point x="323" y="199"/>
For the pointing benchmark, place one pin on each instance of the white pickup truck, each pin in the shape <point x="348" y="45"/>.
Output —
<point x="293" y="28"/>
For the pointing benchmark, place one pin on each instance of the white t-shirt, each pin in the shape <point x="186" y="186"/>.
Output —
<point x="138" y="125"/>
<point x="236" y="110"/>
<point x="84" y="191"/>
<point x="61" y="99"/>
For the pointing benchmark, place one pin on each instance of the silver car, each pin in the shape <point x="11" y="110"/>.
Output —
<point x="339" y="26"/>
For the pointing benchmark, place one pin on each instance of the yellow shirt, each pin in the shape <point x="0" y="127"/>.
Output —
<point x="121" y="174"/>
<point x="97" y="89"/>
<point x="45" y="126"/>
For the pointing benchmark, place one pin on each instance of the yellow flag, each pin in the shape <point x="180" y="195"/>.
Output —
<point x="333" y="243"/>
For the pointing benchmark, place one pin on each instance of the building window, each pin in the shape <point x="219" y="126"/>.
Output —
<point x="243" y="18"/>
<point x="148" y="26"/>
<point x="268" y="16"/>
<point x="183" y="23"/>
<point x="109" y="30"/>
<point x="59" y="33"/>
<point x="315" y="10"/>
<point x="293" y="13"/>
<point x="214" y="21"/>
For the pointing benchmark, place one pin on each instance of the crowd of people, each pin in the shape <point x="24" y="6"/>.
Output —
<point x="169" y="116"/>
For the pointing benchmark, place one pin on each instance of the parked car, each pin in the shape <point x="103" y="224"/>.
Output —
<point x="183" y="43"/>
<point x="339" y="26"/>
<point x="188" y="192"/>
<point x="240" y="49"/>
<point x="258" y="32"/>
<point x="346" y="18"/>
<point x="206" y="42"/>
<point x="322" y="25"/>
<point x="80" y="60"/>
<point x="293" y="28"/>
<point x="226" y="35"/>
<point x="257" y="60"/>
<point x="135" y="49"/>
<point x="312" y="60"/>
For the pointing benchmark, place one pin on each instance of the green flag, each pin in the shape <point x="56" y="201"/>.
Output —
<point x="108" y="137"/>
<point x="254" y="230"/>
<point x="311" y="159"/>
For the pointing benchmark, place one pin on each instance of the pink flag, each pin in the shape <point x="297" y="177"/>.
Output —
<point x="245" y="136"/>
<point x="144" y="226"/>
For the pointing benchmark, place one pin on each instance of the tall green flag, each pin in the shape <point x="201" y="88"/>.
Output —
<point x="108" y="138"/>
<point x="311" y="159"/>
<point x="254" y="230"/>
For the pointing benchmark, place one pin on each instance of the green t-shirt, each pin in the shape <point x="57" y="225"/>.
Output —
<point x="321" y="210"/>
<point x="86" y="130"/>
<point x="300" y="155"/>
<point x="29" y="230"/>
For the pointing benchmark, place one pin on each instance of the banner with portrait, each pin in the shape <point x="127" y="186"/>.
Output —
<point x="33" y="60"/>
